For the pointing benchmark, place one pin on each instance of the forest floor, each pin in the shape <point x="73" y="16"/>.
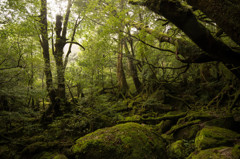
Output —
<point x="183" y="122"/>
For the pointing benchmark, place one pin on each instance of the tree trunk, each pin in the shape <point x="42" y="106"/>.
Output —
<point x="47" y="66"/>
<point x="184" y="19"/>
<point x="225" y="13"/>
<point x="58" y="55"/>
<point x="122" y="82"/>
<point x="132" y="67"/>
<point x="60" y="42"/>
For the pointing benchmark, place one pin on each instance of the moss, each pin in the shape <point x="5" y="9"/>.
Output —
<point x="236" y="114"/>
<point x="44" y="155"/>
<point x="236" y="151"/>
<point x="177" y="127"/>
<point x="227" y="123"/>
<point x="167" y="138"/>
<point x="180" y="149"/>
<point x="5" y="152"/>
<point x="193" y="115"/>
<point x="214" y="136"/>
<point x="34" y="148"/>
<point x="187" y="133"/>
<point x="60" y="156"/>
<point x="130" y="140"/>
<point x="215" y="153"/>
<point x="155" y="120"/>
<point x="163" y="126"/>
<point x="132" y="118"/>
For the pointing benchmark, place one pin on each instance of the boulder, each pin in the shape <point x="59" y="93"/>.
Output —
<point x="187" y="133"/>
<point x="216" y="153"/>
<point x="163" y="126"/>
<point x="123" y="141"/>
<point x="226" y="122"/>
<point x="211" y="136"/>
<point x="60" y="156"/>
<point x="180" y="149"/>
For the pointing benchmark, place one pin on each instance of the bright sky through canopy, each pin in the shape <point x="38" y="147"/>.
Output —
<point x="57" y="7"/>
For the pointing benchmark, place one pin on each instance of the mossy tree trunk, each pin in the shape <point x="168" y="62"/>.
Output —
<point x="121" y="78"/>
<point x="225" y="13"/>
<point x="60" y="42"/>
<point x="47" y="66"/>
<point x="131" y="64"/>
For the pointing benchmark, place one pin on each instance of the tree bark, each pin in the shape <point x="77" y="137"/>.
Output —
<point x="121" y="78"/>
<point x="132" y="67"/>
<point x="58" y="54"/>
<point x="47" y="66"/>
<point x="226" y="13"/>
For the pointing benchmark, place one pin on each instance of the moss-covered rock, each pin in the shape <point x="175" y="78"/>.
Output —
<point x="60" y="156"/>
<point x="123" y="141"/>
<point x="211" y="136"/>
<point x="5" y="152"/>
<point x="163" y="126"/>
<point x="180" y="126"/>
<point x="180" y="149"/>
<point x="187" y="133"/>
<point x="44" y="155"/>
<point x="217" y="153"/>
<point x="227" y="122"/>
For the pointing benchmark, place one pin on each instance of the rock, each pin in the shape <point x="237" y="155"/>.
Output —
<point x="187" y="133"/>
<point x="217" y="153"/>
<point x="5" y="152"/>
<point x="123" y="141"/>
<point x="227" y="122"/>
<point x="163" y="126"/>
<point x="180" y="149"/>
<point x="236" y="114"/>
<point x="43" y="155"/>
<point x="60" y="156"/>
<point x="211" y="136"/>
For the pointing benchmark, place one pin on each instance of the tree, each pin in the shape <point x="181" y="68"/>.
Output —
<point x="47" y="67"/>
<point x="225" y="14"/>
<point x="184" y="18"/>
<point x="132" y="67"/>
<point x="58" y="96"/>
<point x="122" y="82"/>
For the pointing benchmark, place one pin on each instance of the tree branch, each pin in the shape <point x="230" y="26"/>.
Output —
<point x="184" y="19"/>
<point x="64" y="32"/>
<point x="77" y="23"/>
<point x="72" y="42"/>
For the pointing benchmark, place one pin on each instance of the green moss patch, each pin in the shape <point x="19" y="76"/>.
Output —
<point x="216" y="153"/>
<point x="212" y="136"/>
<point x="180" y="149"/>
<point x="123" y="141"/>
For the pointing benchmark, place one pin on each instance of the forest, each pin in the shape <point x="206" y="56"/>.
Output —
<point x="119" y="79"/>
